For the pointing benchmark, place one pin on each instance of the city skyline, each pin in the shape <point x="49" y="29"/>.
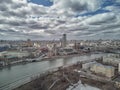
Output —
<point x="49" y="19"/>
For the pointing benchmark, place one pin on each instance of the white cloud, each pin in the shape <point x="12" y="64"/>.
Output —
<point x="104" y="18"/>
<point x="22" y="20"/>
<point x="77" y="5"/>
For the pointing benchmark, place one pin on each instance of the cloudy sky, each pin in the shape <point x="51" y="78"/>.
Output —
<point x="49" y="19"/>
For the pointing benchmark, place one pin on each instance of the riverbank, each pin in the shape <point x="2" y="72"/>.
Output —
<point x="62" y="79"/>
<point x="17" y="75"/>
<point x="64" y="56"/>
<point x="43" y="59"/>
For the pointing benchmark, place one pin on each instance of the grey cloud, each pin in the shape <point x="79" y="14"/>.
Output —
<point x="3" y="7"/>
<point x="99" y="19"/>
<point x="52" y="32"/>
<point x="37" y="26"/>
<point x="5" y="1"/>
<point x="15" y="22"/>
<point x="20" y="14"/>
<point x="61" y="21"/>
<point x="104" y="21"/>
<point x="77" y="5"/>
<point x="111" y="27"/>
<point x="83" y="33"/>
<point x="108" y="32"/>
<point x="17" y="5"/>
<point x="38" y="11"/>
<point x="13" y="13"/>
<point x="7" y="31"/>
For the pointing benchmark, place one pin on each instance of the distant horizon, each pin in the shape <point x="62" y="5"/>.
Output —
<point x="59" y="40"/>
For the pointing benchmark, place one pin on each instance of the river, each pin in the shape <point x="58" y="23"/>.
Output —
<point x="15" y="76"/>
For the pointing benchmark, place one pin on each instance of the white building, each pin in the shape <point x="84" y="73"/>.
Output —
<point x="114" y="55"/>
<point x="18" y="54"/>
<point x="107" y="71"/>
<point x="87" y="66"/>
<point x="111" y="61"/>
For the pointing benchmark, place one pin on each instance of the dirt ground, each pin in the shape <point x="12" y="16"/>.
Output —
<point x="62" y="79"/>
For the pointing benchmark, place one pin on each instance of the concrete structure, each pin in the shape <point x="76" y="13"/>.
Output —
<point x="107" y="71"/>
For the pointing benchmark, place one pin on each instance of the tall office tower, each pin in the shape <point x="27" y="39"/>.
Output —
<point x="64" y="40"/>
<point x="29" y="43"/>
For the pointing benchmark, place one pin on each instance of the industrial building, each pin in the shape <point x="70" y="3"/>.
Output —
<point x="107" y="71"/>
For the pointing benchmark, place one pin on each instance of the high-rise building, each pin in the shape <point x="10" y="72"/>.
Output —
<point x="29" y="43"/>
<point x="64" y="40"/>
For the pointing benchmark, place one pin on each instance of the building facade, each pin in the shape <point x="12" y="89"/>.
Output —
<point x="63" y="41"/>
<point x="107" y="71"/>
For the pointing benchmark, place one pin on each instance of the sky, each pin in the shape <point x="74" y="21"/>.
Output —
<point x="49" y="19"/>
